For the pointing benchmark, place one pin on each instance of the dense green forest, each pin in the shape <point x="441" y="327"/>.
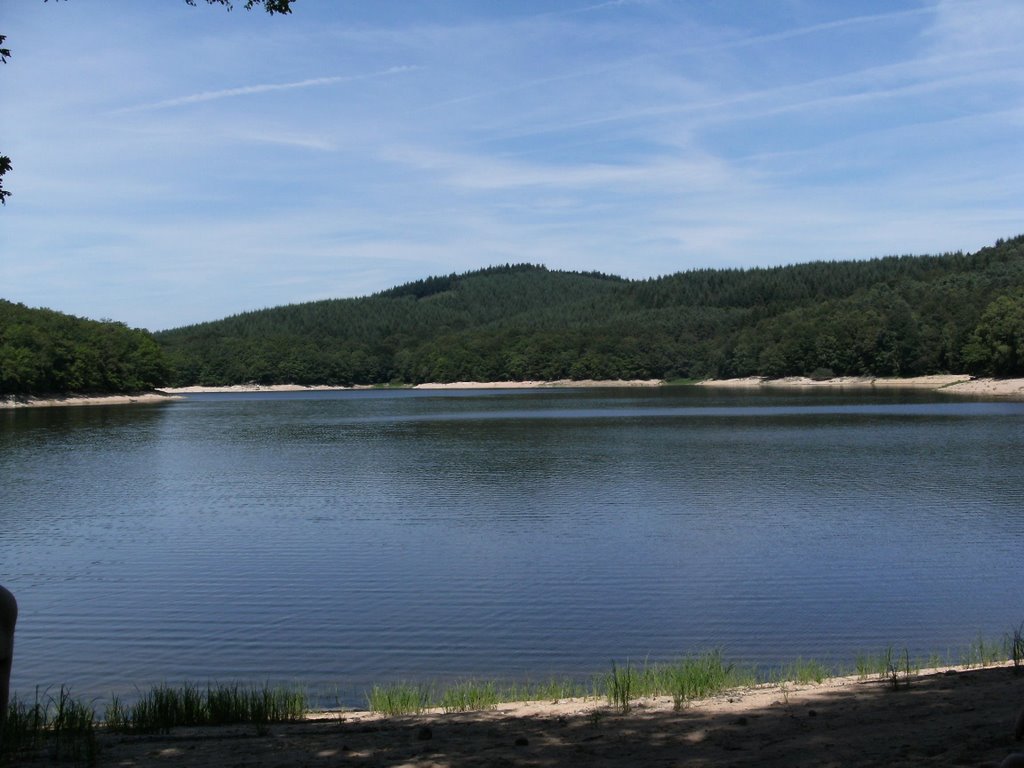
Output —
<point x="46" y="352"/>
<point x="894" y="316"/>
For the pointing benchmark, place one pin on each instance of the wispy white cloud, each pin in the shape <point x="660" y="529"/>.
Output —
<point x="813" y="29"/>
<point x="483" y="172"/>
<point x="595" y="7"/>
<point x="302" y="141"/>
<point x="251" y="90"/>
<point x="528" y="85"/>
<point x="975" y="25"/>
<point x="868" y="93"/>
<point x="953" y="72"/>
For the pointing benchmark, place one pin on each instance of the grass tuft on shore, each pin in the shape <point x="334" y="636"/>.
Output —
<point x="803" y="671"/>
<point x="552" y="689"/>
<point x="687" y="679"/>
<point x="400" y="699"/>
<point x="470" y="696"/>
<point x="164" y="707"/>
<point x="467" y="695"/>
<point x="54" y="725"/>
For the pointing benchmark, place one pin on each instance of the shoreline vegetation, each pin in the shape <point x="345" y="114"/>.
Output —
<point x="706" y="709"/>
<point x="955" y="384"/>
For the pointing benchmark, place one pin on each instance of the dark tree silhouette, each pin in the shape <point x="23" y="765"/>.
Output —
<point x="5" y="162"/>
<point x="270" y="6"/>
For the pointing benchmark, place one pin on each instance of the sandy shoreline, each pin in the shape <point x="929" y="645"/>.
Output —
<point x="944" y="717"/>
<point x="956" y="384"/>
<point x="560" y="383"/>
<point x="959" y="384"/>
<point x="75" y="400"/>
<point x="167" y="394"/>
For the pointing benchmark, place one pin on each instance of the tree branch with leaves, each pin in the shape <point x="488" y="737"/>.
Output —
<point x="5" y="162"/>
<point x="270" y="6"/>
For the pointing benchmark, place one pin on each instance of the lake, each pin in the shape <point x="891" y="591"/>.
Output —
<point x="338" y="539"/>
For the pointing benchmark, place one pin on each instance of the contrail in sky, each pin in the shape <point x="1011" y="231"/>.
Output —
<point x="247" y="90"/>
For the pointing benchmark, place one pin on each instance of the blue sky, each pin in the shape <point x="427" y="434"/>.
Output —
<point x="175" y="164"/>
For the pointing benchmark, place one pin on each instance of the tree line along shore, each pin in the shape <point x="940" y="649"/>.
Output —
<point x="892" y="317"/>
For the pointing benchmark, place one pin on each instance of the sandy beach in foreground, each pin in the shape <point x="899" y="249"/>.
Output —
<point x="945" y="717"/>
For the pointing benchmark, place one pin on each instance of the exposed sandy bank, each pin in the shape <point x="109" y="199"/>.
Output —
<point x="956" y="384"/>
<point x="200" y="389"/>
<point x="451" y="385"/>
<point x="37" y="402"/>
<point x="960" y="384"/>
<point x="1006" y="388"/>
<point x="843" y="382"/>
<point x="581" y="383"/>
<point x="942" y="718"/>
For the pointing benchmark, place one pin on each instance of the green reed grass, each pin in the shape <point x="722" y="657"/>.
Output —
<point x="685" y="679"/>
<point x="897" y="666"/>
<point x="620" y="685"/>
<point x="470" y="695"/>
<point x="934" y="661"/>
<point x="984" y="651"/>
<point x="467" y="695"/>
<point x="400" y="699"/>
<point x="66" y="728"/>
<point x="1017" y="648"/>
<point x="702" y="676"/>
<point x="54" y="725"/>
<point x="803" y="671"/>
<point x="870" y="665"/>
<point x="164" y="707"/>
<point x="552" y="689"/>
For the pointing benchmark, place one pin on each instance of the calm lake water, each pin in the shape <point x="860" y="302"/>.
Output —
<point x="341" y="539"/>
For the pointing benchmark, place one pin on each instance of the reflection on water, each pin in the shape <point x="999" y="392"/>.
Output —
<point x="345" y="538"/>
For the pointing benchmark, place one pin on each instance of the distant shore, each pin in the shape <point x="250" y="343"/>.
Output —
<point x="955" y="384"/>
<point x="72" y="400"/>
<point x="560" y="383"/>
<point x="958" y="384"/>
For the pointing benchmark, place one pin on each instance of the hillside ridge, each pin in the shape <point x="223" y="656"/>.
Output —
<point x="889" y="316"/>
<point x="894" y="316"/>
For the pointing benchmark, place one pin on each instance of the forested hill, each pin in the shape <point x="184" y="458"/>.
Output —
<point x="43" y="352"/>
<point x="895" y="316"/>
